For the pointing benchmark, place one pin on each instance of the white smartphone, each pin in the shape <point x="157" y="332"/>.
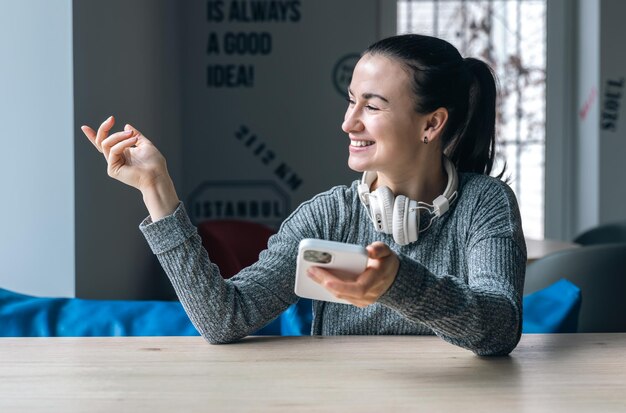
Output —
<point x="347" y="259"/>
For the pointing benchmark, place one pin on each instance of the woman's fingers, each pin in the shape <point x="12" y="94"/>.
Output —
<point x="96" y="138"/>
<point x="113" y="140"/>
<point x="103" y="131"/>
<point x="90" y="134"/>
<point x="116" y="154"/>
<point x="340" y="286"/>
<point x="128" y="127"/>
<point x="378" y="250"/>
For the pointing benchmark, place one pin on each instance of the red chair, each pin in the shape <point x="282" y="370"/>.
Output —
<point x="232" y="244"/>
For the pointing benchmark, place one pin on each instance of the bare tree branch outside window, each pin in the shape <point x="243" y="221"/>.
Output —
<point x="510" y="35"/>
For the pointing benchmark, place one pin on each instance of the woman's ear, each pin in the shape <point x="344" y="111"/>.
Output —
<point x="435" y="124"/>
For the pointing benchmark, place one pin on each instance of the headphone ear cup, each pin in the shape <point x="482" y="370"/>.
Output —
<point x="400" y="222"/>
<point x="381" y="207"/>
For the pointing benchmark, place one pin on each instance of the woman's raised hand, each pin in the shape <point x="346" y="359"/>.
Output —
<point x="134" y="160"/>
<point x="131" y="157"/>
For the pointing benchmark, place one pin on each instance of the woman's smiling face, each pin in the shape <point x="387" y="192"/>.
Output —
<point x="385" y="131"/>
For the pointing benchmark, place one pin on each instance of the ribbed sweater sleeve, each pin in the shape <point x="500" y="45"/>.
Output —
<point x="481" y="311"/>
<point x="221" y="310"/>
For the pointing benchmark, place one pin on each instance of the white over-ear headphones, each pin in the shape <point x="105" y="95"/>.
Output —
<point x="400" y="216"/>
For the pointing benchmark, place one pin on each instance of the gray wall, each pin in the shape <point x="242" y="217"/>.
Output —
<point x="126" y="63"/>
<point x="37" y="169"/>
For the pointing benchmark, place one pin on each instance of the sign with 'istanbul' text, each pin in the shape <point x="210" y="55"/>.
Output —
<point x="264" y="98"/>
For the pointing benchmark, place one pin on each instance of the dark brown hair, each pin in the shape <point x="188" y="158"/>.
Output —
<point x="441" y="77"/>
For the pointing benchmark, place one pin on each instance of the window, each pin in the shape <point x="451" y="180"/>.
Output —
<point x="510" y="35"/>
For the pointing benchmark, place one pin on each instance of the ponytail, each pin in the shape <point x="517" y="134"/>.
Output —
<point x="472" y="149"/>
<point x="441" y="78"/>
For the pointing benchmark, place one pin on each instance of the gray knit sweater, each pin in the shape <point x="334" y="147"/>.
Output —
<point x="462" y="280"/>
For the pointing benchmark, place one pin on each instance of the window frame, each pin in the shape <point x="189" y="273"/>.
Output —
<point x="560" y="136"/>
<point x="561" y="98"/>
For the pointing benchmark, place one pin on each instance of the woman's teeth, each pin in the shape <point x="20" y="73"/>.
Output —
<point x="360" y="143"/>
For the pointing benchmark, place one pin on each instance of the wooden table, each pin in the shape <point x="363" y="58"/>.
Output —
<point x="539" y="248"/>
<point x="546" y="373"/>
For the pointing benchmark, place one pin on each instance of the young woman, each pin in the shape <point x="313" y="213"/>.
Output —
<point x="446" y="250"/>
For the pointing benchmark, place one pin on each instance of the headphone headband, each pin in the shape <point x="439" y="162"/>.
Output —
<point x="441" y="204"/>
<point x="364" y="187"/>
<point x="404" y="216"/>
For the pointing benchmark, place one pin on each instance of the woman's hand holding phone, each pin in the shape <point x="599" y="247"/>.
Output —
<point x="134" y="160"/>
<point x="365" y="288"/>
